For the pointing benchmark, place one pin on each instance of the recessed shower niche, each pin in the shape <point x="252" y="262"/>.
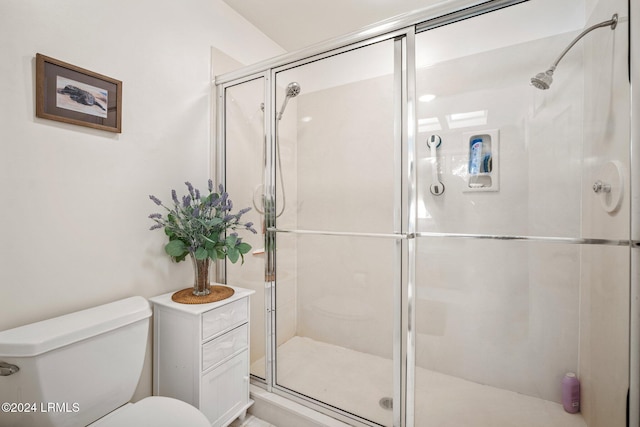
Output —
<point x="483" y="171"/>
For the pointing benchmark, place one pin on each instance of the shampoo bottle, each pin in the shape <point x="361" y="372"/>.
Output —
<point x="475" y="156"/>
<point x="571" y="393"/>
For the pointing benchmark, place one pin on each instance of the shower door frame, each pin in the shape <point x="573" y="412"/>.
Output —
<point x="404" y="149"/>
<point x="405" y="28"/>
<point x="219" y="153"/>
<point x="634" y="162"/>
<point x="404" y="222"/>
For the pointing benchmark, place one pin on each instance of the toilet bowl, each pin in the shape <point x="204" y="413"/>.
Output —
<point x="81" y="369"/>
<point x="154" y="411"/>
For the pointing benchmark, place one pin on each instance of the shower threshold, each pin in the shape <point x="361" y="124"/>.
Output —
<point x="356" y="382"/>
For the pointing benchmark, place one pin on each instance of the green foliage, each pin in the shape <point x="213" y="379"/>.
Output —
<point x="202" y="226"/>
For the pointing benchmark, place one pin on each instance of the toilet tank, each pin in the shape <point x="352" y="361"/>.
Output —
<point x="75" y="368"/>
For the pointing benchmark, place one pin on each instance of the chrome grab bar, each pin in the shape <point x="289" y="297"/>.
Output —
<point x="437" y="187"/>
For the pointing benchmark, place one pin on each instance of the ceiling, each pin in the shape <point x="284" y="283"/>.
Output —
<point x="296" y="24"/>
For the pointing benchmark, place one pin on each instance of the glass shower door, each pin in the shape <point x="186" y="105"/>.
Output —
<point x="520" y="269"/>
<point x="337" y="254"/>
<point x="245" y="154"/>
<point x="516" y="272"/>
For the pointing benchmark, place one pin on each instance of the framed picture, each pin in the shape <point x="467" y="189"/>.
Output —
<point x="71" y="94"/>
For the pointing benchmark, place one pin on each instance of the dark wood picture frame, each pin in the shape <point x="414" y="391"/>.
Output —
<point x="71" y="94"/>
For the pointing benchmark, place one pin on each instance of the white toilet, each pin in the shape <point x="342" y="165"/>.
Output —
<point x="82" y="369"/>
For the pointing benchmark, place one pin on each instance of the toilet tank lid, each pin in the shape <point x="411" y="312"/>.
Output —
<point x="40" y="337"/>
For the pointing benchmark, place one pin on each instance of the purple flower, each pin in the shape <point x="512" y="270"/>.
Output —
<point x="155" y="216"/>
<point x="186" y="201"/>
<point x="228" y="206"/>
<point x="155" y="200"/>
<point x="243" y="211"/>
<point x="190" y="187"/>
<point x="197" y="193"/>
<point x="228" y="218"/>
<point x="174" y="196"/>
<point x="210" y="186"/>
<point x="214" y="201"/>
<point x="221" y="189"/>
<point x="196" y="212"/>
<point x="155" y="226"/>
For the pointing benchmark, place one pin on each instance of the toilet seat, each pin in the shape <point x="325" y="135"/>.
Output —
<point x="154" y="411"/>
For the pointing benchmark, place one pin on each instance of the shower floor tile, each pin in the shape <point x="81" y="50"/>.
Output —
<point x="356" y="382"/>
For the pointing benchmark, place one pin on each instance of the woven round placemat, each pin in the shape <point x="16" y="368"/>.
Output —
<point x="218" y="293"/>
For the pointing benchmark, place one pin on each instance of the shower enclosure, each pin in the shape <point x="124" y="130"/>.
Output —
<point x="441" y="241"/>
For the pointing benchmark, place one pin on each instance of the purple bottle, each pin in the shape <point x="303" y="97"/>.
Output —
<point x="571" y="393"/>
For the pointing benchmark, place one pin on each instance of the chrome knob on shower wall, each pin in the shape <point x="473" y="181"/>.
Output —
<point x="600" y="187"/>
<point x="608" y="186"/>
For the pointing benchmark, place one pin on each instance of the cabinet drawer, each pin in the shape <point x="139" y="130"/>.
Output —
<point x="217" y="350"/>
<point x="220" y="319"/>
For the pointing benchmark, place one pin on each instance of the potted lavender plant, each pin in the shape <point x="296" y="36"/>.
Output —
<point x="204" y="228"/>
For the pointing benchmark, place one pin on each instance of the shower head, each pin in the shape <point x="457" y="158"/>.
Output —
<point x="543" y="80"/>
<point x="293" y="90"/>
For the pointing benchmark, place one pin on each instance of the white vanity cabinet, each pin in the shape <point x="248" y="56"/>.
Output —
<point x="201" y="354"/>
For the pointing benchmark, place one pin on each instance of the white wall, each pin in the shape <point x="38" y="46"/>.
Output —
<point x="75" y="200"/>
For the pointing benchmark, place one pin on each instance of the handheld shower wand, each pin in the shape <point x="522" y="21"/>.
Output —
<point x="543" y="80"/>
<point x="293" y="89"/>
